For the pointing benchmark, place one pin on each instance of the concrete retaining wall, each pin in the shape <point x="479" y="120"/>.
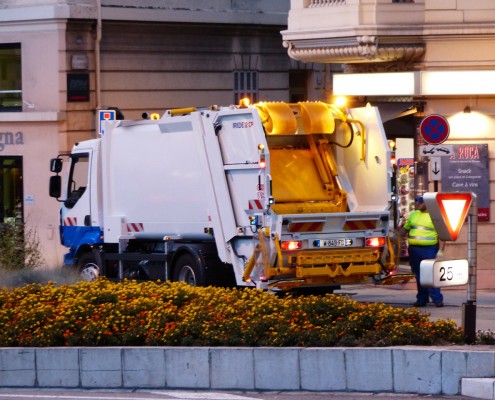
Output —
<point x="424" y="370"/>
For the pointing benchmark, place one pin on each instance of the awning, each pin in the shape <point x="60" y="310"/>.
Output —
<point x="389" y="111"/>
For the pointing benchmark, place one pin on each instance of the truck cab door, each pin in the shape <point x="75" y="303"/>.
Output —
<point x="77" y="183"/>
<point x="76" y="208"/>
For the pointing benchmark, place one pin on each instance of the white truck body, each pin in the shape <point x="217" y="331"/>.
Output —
<point x="233" y="184"/>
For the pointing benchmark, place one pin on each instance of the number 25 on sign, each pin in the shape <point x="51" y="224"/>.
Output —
<point x="440" y="273"/>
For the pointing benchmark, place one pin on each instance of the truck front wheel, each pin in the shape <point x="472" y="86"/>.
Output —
<point x="88" y="267"/>
<point x="187" y="270"/>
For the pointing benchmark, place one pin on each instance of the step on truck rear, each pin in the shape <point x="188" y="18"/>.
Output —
<point x="272" y="195"/>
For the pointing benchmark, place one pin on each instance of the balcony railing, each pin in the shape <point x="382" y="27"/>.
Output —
<point x="326" y="3"/>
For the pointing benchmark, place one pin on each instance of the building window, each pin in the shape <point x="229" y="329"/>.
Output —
<point x="10" y="77"/>
<point x="245" y="85"/>
<point x="297" y="85"/>
<point x="11" y="190"/>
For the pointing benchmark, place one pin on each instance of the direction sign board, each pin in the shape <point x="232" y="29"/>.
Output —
<point x="105" y="115"/>
<point x="435" y="168"/>
<point x="433" y="150"/>
<point x="434" y="129"/>
<point x="448" y="212"/>
<point x="440" y="273"/>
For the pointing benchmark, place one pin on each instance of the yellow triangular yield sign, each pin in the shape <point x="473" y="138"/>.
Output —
<point x="448" y="212"/>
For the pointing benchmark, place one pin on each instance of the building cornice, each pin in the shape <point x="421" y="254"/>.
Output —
<point x="377" y="44"/>
<point x="357" y="49"/>
<point x="48" y="12"/>
<point x="143" y="13"/>
<point x="33" y="116"/>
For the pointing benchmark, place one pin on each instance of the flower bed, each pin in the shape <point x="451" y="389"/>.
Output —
<point x="105" y="313"/>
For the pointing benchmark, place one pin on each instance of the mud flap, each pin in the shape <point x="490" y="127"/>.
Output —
<point x="391" y="253"/>
<point x="393" y="279"/>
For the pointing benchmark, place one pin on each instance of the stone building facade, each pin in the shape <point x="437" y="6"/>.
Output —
<point x="61" y="61"/>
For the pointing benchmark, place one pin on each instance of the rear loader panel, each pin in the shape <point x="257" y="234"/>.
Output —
<point x="332" y="196"/>
<point x="366" y="179"/>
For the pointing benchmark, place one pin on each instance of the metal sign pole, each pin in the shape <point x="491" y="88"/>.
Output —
<point x="469" y="308"/>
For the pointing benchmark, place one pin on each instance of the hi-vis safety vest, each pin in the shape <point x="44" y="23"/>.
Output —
<point x="421" y="229"/>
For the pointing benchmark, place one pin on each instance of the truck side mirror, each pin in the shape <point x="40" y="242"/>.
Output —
<point x="55" y="186"/>
<point x="56" y="165"/>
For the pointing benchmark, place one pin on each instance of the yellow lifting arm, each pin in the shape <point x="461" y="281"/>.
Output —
<point x="260" y="249"/>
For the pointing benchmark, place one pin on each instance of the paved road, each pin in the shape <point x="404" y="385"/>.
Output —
<point x="40" y="394"/>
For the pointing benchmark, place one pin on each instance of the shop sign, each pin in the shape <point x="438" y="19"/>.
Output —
<point x="466" y="170"/>
<point x="11" y="139"/>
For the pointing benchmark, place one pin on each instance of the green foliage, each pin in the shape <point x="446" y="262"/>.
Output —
<point x="19" y="248"/>
<point x="485" y="337"/>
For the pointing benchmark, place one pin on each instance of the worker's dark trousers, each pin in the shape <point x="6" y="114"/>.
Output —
<point x="416" y="255"/>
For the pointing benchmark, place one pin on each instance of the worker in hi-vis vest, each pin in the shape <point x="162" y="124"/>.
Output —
<point x="423" y="244"/>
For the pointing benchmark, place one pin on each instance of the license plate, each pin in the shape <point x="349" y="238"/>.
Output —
<point x="333" y="243"/>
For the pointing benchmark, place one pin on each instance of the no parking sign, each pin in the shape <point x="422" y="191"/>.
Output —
<point x="105" y="115"/>
<point x="434" y="129"/>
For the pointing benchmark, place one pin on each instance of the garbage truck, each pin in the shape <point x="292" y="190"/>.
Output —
<point x="273" y="195"/>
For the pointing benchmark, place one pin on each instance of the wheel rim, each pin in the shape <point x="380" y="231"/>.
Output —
<point x="187" y="275"/>
<point x="90" y="272"/>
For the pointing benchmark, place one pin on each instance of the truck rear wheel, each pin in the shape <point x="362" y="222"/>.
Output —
<point x="88" y="267"/>
<point x="187" y="270"/>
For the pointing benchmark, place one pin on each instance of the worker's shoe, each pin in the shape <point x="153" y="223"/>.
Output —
<point x="418" y="304"/>
<point x="439" y="304"/>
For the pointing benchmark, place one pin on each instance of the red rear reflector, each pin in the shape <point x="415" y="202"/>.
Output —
<point x="291" y="245"/>
<point x="375" y="242"/>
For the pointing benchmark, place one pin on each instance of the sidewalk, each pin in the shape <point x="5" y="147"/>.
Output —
<point x="404" y="295"/>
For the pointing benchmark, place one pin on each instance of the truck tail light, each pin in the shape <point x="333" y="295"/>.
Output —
<point x="261" y="149"/>
<point x="262" y="161"/>
<point x="291" y="245"/>
<point x="375" y="242"/>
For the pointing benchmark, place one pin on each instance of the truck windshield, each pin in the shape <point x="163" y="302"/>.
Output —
<point x="78" y="178"/>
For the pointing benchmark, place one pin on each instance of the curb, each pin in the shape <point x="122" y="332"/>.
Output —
<point x="481" y="388"/>
<point x="422" y="370"/>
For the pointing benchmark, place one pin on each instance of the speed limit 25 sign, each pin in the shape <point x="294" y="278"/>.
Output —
<point x="440" y="273"/>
